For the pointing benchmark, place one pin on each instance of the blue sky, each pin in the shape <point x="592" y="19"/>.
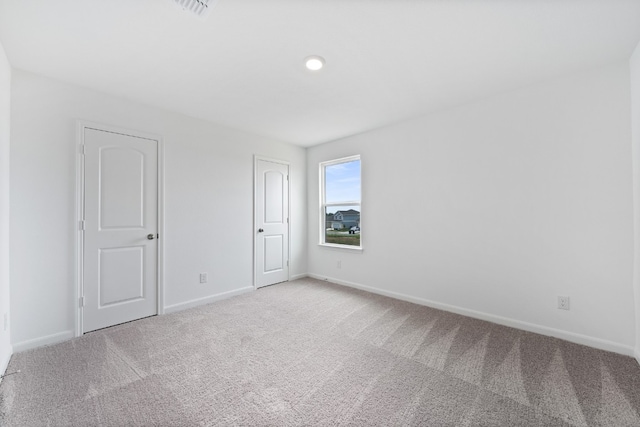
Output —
<point x="342" y="183"/>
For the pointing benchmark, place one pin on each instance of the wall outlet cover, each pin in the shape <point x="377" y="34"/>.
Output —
<point x="563" y="302"/>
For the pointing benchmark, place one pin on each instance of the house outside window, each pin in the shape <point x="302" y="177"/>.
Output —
<point x="340" y="203"/>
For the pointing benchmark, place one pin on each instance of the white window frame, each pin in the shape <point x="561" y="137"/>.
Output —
<point x="324" y="204"/>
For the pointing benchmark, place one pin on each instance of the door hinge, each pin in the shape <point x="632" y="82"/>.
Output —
<point x="287" y="263"/>
<point x="81" y="225"/>
<point x="82" y="149"/>
<point x="287" y="220"/>
<point x="81" y="302"/>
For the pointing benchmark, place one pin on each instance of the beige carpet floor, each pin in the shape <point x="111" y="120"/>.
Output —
<point x="313" y="353"/>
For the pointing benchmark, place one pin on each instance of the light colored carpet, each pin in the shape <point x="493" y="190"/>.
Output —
<point x="313" y="353"/>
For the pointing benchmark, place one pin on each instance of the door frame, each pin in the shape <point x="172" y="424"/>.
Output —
<point x="257" y="158"/>
<point x="81" y="125"/>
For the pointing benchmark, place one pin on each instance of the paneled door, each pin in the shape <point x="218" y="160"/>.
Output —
<point x="120" y="251"/>
<point x="272" y="222"/>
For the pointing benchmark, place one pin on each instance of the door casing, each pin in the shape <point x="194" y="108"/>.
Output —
<point x="257" y="158"/>
<point x="80" y="187"/>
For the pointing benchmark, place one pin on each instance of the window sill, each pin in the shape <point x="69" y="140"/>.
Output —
<point x="347" y="247"/>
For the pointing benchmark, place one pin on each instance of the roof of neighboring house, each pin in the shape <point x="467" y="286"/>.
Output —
<point x="349" y="212"/>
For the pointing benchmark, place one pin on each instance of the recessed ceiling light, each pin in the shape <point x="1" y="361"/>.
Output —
<point x="314" y="63"/>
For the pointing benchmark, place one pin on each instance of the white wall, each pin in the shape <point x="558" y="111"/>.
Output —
<point x="500" y="206"/>
<point x="635" y="135"/>
<point x="208" y="185"/>
<point x="5" y="96"/>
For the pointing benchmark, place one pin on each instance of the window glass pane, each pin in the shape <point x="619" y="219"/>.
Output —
<point x="342" y="182"/>
<point x="342" y="225"/>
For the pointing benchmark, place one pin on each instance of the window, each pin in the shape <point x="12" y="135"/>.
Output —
<point x="340" y="203"/>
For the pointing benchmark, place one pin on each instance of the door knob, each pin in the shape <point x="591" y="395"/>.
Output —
<point x="260" y="230"/>
<point x="151" y="236"/>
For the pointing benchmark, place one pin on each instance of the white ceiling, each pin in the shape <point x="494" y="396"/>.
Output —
<point x="387" y="60"/>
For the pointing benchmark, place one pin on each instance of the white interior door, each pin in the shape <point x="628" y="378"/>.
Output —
<point x="272" y="223"/>
<point x="120" y="228"/>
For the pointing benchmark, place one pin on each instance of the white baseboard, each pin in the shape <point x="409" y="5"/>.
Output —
<point x="206" y="300"/>
<point x="42" y="341"/>
<point x="298" y="276"/>
<point x="636" y="353"/>
<point x="67" y="335"/>
<point x="530" y="327"/>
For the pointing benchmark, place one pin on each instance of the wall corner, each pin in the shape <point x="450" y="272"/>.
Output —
<point x="634" y="72"/>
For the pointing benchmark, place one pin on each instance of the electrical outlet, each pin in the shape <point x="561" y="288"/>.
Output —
<point x="563" y="302"/>
<point x="203" y="278"/>
<point x="339" y="264"/>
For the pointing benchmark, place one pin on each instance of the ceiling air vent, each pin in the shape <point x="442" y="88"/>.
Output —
<point x="200" y="8"/>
